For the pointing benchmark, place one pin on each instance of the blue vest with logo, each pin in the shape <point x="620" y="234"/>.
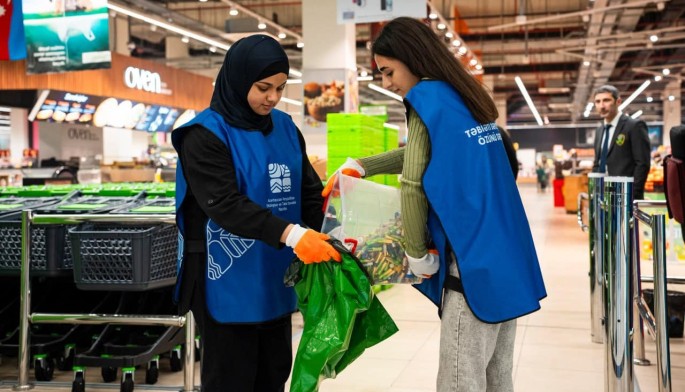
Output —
<point x="475" y="210"/>
<point x="244" y="277"/>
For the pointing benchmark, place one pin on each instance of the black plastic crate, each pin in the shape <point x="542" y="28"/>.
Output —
<point x="49" y="253"/>
<point x="124" y="257"/>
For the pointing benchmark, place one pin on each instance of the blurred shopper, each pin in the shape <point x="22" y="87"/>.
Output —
<point x="622" y="143"/>
<point x="244" y="188"/>
<point x="458" y="193"/>
<point x="542" y="173"/>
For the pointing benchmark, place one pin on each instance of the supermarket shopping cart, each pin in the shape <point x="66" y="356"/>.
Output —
<point x="130" y="257"/>
<point x="51" y="265"/>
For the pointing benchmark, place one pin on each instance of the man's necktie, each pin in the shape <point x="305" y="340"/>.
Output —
<point x="605" y="150"/>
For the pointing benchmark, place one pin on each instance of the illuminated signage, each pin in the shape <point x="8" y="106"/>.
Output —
<point x="145" y="80"/>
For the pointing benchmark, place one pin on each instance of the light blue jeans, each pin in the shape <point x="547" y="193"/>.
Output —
<point x="474" y="356"/>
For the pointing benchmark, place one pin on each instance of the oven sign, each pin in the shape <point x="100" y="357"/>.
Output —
<point x="145" y="80"/>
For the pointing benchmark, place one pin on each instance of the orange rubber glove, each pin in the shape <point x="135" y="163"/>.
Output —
<point x="350" y="168"/>
<point x="311" y="246"/>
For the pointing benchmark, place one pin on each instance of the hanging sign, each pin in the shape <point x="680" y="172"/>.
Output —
<point x="365" y="11"/>
<point x="66" y="35"/>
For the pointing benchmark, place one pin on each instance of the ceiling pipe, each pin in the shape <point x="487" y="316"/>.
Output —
<point x="632" y="4"/>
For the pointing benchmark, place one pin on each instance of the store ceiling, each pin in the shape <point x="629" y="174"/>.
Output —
<point x="562" y="50"/>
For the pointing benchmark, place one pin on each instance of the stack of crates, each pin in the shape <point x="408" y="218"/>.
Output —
<point x="358" y="135"/>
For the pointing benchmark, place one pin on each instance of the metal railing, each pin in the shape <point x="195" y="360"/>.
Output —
<point x="657" y="322"/>
<point x="620" y="309"/>
<point x="595" y="229"/>
<point x="617" y="282"/>
<point x="26" y="318"/>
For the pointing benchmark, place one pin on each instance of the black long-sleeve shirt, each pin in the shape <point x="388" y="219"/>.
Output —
<point x="213" y="194"/>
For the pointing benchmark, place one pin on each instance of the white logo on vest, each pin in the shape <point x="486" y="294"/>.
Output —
<point x="233" y="247"/>
<point x="279" y="178"/>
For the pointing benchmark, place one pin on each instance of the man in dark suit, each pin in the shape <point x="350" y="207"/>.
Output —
<point x="621" y="143"/>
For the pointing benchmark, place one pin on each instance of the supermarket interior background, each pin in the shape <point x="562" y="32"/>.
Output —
<point x="90" y="91"/>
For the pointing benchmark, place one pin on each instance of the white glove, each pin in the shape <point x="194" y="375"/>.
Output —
<point x="352" y="164"/>
<point x="425" y="266"/>
<point x="295" y="235"/>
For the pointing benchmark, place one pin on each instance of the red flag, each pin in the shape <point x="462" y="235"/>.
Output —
<point x="12" y="41"/>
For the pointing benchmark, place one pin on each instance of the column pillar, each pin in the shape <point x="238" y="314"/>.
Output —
<point x="499" y="98"/>
<point x="175" y="48"/>
<point x="671" y="109"/>
<point x="119" y="35"/>
<point x="329" y="67"/>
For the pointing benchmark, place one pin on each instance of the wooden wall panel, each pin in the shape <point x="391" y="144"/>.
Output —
<point x="190" y="91"/>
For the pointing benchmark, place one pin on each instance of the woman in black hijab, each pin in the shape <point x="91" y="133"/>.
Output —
<point x="244" y="188"/>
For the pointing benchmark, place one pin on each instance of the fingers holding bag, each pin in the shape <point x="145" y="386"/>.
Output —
<point x="311" y="246"/>
<point x="350" y="168"/>
<point x="425" y="266"/>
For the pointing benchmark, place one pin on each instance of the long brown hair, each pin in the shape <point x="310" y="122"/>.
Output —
<point x="420" y="49"/>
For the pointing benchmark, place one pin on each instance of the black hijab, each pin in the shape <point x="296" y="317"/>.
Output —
<point x="248" y="60"/>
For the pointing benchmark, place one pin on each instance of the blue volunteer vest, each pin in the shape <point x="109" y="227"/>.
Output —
<point x="475" y="209"/>
<point x="244" y="277"/>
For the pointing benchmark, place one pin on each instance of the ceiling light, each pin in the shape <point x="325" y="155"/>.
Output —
<point x="300" y="44"/>
<point x="531" y="105"/>
<point x="449" y="34"/>
<point x="167" y="26"/>
<point x="671" y="98"/>
<point x="261" y="26"/>
<point x="479" y="67"/>
<point x="212" y="49"/>
<point x="365" y="78"/>
<point x="634" y="95"/>
<point x="153" y="28"/>
<point x="293" y="81"/>
<point x="203" y="1"/>
<point x="586" y="63"/>
<point x="653" y="37"/>
<point x="456" y="42"/>
<point x="462" y="50"/>
<point x="636" y="114"/>
<point x="291" y="101"/>
<point x="282" y="35"/>
<point x="657" y="78"/>
<point x="363" y="73"/>
<point x="666" y="71"/>
<point x="553" y="90"/>
<point x="384" y="91"/>
<point x="660" y="6"/>
<point x="441" y="26"/>
<point x="473" y="62"/>
<point x="233" y="12"/>
<point x="588" y="109"/>
<point x="185" y="40"/>
<point x="650" y="99"/>
<point x="433" y="15"/>
<point x="295" y="73"/>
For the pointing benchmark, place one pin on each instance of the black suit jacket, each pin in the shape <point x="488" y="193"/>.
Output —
<point x="629" y="152"/>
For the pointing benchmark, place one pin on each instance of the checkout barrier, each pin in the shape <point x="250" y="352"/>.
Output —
<point x="26" y="318"/>
<point x="614" y="255"/>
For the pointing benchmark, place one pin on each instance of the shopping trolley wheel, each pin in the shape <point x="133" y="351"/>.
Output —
<point x="175" y="359"/>
<point x="127" y="382"/>
<point x="79" y="384"/>
<point x="109" y="373"/>
<point x="43" y="367"/>
<point x="152" y="372"/>
<point x="66" y="362"/>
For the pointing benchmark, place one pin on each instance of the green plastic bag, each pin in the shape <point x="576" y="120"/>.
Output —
<point x="342" y="318"/>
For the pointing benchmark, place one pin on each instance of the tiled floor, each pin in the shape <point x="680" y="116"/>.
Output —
<point x="553" y="352"/>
